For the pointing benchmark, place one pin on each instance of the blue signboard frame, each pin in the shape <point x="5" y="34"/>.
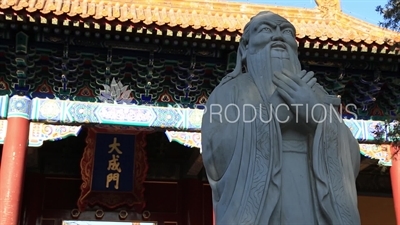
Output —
<point x="113" y="169"/>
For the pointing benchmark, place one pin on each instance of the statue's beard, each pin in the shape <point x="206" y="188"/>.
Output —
<point x="264" y="62"/>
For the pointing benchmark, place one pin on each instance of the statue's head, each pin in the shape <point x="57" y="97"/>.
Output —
<point x="268" y="44"/>
<point x="267" y="28"/>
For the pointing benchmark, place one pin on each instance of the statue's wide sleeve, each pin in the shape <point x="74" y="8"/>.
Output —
<point x="353" y="148"/>
<point x="219" y="130"/>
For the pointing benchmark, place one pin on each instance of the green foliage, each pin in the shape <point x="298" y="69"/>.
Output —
<point x="391" y="15"/>
<point x="388" y="133"/>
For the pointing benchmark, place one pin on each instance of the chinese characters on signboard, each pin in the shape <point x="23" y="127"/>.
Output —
<point x="113" y="163"/>
<point x="114" y="168"/>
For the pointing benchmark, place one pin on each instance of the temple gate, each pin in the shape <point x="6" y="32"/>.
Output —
<point x="74" y="68"/>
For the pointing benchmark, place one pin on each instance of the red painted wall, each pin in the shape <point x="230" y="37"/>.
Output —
<point x="49" y="201"/>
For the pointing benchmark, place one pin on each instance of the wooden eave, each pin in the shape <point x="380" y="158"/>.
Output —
<point x="325" y="22"/>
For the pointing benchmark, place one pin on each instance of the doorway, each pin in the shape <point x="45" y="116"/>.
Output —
<point x="80" y="222"/>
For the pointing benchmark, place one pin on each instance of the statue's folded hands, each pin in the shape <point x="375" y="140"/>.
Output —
<point x="299" y="96"/>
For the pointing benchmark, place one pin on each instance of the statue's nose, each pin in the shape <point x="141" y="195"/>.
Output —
<point x="277" y="36"/>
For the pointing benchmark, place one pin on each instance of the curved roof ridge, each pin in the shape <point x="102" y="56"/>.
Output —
<point x="215" y="14"/>
<point x="361" y="24"/>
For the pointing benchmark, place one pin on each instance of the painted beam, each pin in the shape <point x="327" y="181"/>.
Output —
<point x="180" y="119"/>
<point x="362" y="129"/>
<point x="47" y="111"/>
<point x="70" y="112"/>
<point x="40" y="132"/>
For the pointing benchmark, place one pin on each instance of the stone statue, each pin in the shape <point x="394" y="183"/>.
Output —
<point x="274" y="150"/>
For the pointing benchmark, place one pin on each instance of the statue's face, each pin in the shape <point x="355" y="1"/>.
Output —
<point x="274" y="30"/>
<point x="271" y="48"/>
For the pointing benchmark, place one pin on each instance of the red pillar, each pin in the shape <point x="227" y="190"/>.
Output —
<point x="13" y="159"/>
<point x="213" y="217"/>
<point x="395" y="178"/>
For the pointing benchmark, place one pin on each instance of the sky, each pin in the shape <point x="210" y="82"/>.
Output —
<point x="362" y="9"/>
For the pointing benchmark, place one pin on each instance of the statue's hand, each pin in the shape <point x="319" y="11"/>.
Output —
<point x="308" y="77"/>
<point x="296" y="91"/>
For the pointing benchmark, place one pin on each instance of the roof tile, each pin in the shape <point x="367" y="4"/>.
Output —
<point x="208" y="14"/>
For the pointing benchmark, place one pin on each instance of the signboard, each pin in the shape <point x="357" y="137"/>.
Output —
<point x="114" y="161"/>
<point x="113" y="167"/>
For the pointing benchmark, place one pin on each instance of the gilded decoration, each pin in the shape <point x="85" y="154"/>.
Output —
<point x="134" y="198"/>
<point x="379" y="152"/>
<point x="218" y="15"/>
<point x="40" y="132"/>
<point x="188" y="139"/>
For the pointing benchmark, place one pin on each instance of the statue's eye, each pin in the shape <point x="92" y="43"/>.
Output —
<point x="266" y="29"/>
<point x="289" y="32"/>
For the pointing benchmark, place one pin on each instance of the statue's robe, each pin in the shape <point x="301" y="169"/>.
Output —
<point x="243" y="161"/>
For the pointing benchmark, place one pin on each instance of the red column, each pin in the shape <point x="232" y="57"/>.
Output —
<point x="13" y="159"/>
<point x="213" y="217"/>
<point x="395" y="178"/>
